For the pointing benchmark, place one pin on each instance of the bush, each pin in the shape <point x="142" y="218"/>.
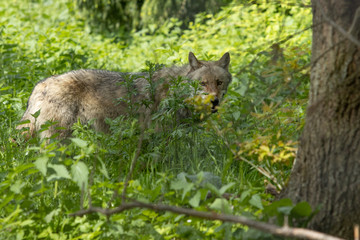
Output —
<point x="250" y="141"/>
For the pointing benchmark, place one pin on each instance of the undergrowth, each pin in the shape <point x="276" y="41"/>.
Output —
<point x="249" y="143"/>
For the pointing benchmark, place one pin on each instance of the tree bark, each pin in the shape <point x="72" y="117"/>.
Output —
<point x="327" y="170"/>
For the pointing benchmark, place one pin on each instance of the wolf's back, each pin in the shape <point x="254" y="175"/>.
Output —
<point x="80" y="94"/>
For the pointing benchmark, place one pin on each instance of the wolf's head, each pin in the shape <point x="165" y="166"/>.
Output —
<point x="213" y="76"/>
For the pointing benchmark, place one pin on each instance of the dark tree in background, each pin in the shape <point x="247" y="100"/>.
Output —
<point x="327" y="170"/>
<point x="134" y="14"/>
<point x="112" y="15"/>
<point x="157" y="11"/>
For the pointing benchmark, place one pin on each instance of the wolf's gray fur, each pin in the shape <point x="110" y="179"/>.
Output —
<point x="91" y="94"/>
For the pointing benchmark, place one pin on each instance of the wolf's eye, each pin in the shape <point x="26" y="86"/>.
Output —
<point x="202" y="83"/>
<point x="218" y="82"/>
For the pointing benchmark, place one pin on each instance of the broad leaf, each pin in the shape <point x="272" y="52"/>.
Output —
<point x="60" y="170"/>
<point x="222" y="205"/>
<point x="41" y="164"/>
<point x="302" y="209"/>
<point x="195" y="200"/>
<point x="256" y="201"/>
<point x="80" y="174"/>
<point x="79" y="142"/>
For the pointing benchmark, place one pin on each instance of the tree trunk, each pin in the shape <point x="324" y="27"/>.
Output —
<point x="327" y="170"/>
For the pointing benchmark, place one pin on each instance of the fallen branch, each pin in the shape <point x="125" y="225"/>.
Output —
<point x="265" y="227"/>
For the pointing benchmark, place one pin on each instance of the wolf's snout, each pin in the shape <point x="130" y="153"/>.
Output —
<point x="215" y="103"/>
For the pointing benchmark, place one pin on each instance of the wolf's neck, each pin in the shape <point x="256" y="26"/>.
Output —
<point x="174" y="71"/>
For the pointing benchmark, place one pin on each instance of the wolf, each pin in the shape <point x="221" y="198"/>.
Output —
<point x="84" y="95"/>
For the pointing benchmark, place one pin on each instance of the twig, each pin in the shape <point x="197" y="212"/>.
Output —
<point x="355" y="26"/>
<point x="356" y="232"/>
<point x="82" y="196"/>
<point x="347" y="34"/>
<point x="265" y="227"/>
<point x="278" y="43"/>
<point x="312" y="64"/>
<point x="133" y="164"/>
<point x="261" y="170"/>
<point x="91" y="181"/>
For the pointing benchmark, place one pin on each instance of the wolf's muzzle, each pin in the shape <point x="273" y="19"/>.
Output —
<point x="215" y="103"/>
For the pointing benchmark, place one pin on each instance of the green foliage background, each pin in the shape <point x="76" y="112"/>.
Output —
<point x="250" y="142"/>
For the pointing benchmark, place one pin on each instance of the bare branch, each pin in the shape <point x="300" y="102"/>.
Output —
<point x="265" y="227"/>
<point x="354" y="30"/>
<point x="347" y="34"/>
<point x="261" y="170"/>
<point x="287" y="38"/>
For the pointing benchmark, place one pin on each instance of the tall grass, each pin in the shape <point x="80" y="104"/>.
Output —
<point x="259" y="121"/>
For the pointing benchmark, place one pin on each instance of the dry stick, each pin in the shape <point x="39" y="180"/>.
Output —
<point x="354" y="29"/>
<point x="265" y="227"/>
<point x="261" y="170"/>
<point x="356" y="232"/>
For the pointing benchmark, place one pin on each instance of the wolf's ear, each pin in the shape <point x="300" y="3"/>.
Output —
<point x="194" y="63"/>
<point x="224" y="61"/>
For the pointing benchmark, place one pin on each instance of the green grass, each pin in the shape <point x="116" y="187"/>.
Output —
<point x="259" y="121"/>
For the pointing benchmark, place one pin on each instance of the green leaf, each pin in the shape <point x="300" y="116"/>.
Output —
<point x="79" y="142"/>
<point x="285" y="210"/>
<point x="40" y="164"/>
<point x="195" y="200"/>
<point x="36" y="114"/>
<point x="80" y="174"/>
<point x="236" y="115"/>
<point x="17" y="186"/>
<point x="24" y="167"/>
<point x="208" y="177"/>
<point x="272" y="209"/>
<point x="26" y="222"/>
<point x="222" y="205"/>
<point x="213" y="189"/>
<point x="302" y="209"/>
<point x="182" y="185"/>
<point x="178" y="184"/>
<point x="223" y="189"/>
<point x="256" y="201"/>
<point x="6" y="200"/>
<point x="187" y="189"/>
<point x="244" y="195"/>
<point x="49" y="216"/>
<point x="103" y="169"/>
<point x="60" y="170"/>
